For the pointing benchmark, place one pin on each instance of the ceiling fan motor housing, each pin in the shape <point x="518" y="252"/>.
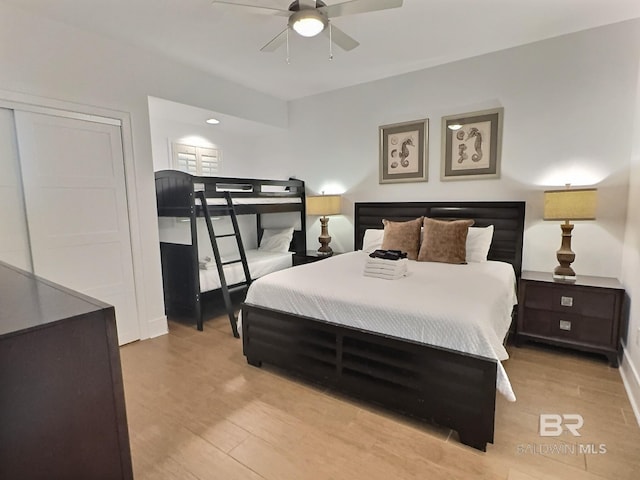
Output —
<point x="295" y="5"/>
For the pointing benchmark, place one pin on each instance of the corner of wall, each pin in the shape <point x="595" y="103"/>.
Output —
<point x="631" y="380"/>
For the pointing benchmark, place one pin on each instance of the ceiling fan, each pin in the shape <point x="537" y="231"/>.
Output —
<point x="312" y="17"/>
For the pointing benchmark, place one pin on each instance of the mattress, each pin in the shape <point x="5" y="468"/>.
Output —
<point x="252" y="200"/>
<point x="466" y="308"/>
<point x="261" y="262"/>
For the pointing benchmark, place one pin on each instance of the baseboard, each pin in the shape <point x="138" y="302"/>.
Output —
<point x="631" y="381"/>
<point x="157" y="327"/>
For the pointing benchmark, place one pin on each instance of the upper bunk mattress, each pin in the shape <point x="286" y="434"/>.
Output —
<point x="251" y="200"/>
<point x="466" y="308"/>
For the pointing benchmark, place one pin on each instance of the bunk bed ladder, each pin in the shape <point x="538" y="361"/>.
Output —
<point x="226" y="289"/>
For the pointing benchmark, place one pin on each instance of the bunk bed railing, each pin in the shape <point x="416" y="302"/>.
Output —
<point x="176" y="193"/>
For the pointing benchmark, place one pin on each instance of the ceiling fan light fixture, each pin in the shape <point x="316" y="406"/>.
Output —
<point x="308" y="22"/>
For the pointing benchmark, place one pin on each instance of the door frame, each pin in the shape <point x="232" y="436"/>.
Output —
<point x="35" y="104"/>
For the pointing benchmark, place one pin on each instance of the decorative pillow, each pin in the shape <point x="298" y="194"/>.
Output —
<point x="403" y="236"/>
<point x="372" y="239"/>
<point x="444" y="241"/>
<point x="478" y="243"/>
<point x="276" y="239"/>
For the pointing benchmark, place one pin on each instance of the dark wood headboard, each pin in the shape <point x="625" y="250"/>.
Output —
<point x="507" y="219"/>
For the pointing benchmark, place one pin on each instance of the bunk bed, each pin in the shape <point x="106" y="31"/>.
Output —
<point x="452" y="387"/>
<point x="187" y="198"/>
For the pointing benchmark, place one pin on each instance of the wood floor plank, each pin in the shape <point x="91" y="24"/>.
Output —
<point x="197" y="411"/>
<point x="629" y="417"/>
<point x="609" y="467"/>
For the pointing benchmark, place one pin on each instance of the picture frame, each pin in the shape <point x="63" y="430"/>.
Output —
<point x="404" y="151"/>
<point x="472" y="145"/>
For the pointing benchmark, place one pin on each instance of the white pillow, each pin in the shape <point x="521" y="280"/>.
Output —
<point x="372" y="239"/>
<point x="276" y="239"/>
<point x="478" y="243"/>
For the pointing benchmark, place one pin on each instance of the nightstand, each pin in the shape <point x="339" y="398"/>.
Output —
<point x="310" y="256"/>
<point x="585" y="314"/>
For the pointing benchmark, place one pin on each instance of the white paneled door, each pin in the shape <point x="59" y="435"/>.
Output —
<point x="76" y="205"/>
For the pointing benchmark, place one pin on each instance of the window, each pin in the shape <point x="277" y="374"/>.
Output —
<point x="202" y="161"/>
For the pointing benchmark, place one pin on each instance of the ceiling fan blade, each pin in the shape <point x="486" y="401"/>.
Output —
<point x="253" y="8"/>
<point x="276" y="42"/>
<point x="359" y="6"/>
<point x="340" y="38"/>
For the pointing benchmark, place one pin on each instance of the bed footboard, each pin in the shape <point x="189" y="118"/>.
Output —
<point x="450" y="388"/>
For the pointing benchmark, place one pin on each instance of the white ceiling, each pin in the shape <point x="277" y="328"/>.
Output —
<point x="422" y="33"/>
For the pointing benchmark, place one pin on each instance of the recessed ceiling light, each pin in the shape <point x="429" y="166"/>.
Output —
<point x="213" y="121"/>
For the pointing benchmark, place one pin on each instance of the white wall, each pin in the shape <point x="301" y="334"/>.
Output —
<point x="48" y="59"/>
<point x="630" y="367"/>
<point x="566" y="102"/>
<point x="242" y="142"/>
<point x="14" y="241"/>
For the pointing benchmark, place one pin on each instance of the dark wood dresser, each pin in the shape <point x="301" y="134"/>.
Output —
<point x="584" y="315"/>
<point x="62" y="410"/>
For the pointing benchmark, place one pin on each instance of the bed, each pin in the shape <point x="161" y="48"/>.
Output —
<point x="350" y="346"/>
<point x="261" y="263"/>
<point x="187" y="285"/>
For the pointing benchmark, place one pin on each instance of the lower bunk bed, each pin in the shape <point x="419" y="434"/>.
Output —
<point x="189" y="282"/>
<point x="367" y="343"/>
<point x="261" y="262"/>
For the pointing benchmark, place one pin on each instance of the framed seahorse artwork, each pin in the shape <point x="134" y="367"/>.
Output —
<point x="471" y="145"/>
<point x="404" y="151"/>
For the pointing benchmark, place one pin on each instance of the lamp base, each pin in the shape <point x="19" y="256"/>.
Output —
<point x="324" y="237"/>
<point x="565" y="256"/>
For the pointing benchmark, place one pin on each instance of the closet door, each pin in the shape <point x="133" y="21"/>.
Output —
<point x="76" y="204"/>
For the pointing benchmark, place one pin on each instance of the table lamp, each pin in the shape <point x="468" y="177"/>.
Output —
<point x="567" y="205"/>
<point x="324" y="205"/>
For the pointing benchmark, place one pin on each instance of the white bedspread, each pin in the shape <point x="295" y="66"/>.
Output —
<point x="462" y="307"/>
<point x="260" y="263"/>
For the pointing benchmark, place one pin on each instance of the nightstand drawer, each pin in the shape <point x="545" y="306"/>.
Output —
<point x="567" y="326"/>
<point x="591" y="302"/>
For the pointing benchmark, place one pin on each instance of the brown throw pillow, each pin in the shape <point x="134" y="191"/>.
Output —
<point x="444" y="241"/>
<point x="403" y="236"/>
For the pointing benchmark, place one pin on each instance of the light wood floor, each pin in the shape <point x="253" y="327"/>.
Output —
<point x="196" y="410"/>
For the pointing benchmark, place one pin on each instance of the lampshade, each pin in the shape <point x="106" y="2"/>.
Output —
<point x="324" y="205"/>
<point x="570" y="204"/>
<point x="308" y="22"/>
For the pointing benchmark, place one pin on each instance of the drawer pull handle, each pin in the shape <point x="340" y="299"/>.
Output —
<point x="565" y="325"/>
<point x="566" y="301"/>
